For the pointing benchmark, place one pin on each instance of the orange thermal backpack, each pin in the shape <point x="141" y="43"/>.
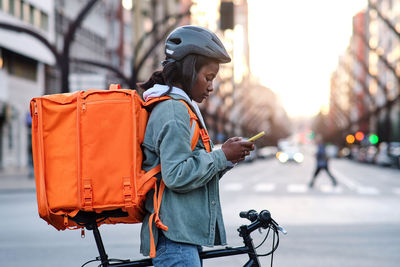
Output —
<point x="88" y="157"/>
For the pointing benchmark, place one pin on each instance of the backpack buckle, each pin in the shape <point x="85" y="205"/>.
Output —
<point x="87" y="195"/>
<point x="127" y="192"/>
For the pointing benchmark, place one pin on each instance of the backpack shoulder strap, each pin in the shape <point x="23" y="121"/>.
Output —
<point x="154" y="100"/>
<point x="197" y="130"/>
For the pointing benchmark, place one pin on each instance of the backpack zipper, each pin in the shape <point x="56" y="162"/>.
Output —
<point x="103" y="101"/>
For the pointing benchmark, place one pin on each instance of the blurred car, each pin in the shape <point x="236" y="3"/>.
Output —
<point x="394" y="152"/>
<point x="267" y="152"/>
<point x="354" y="152"/>
<point x="252" y="156"/>
<point x="362" y="154"/>
<point x="371" y="154"/>
<point x="382" y="157"/>
<point x="345" y="152"/>
<point x="290" y="153"/>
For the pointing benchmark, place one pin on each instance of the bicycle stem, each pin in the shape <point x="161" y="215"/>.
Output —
<point x="244" y="232"/>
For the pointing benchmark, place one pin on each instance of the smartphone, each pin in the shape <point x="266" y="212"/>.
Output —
<point x="252" y="139"/>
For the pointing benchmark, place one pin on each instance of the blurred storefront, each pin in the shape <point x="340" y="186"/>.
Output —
<point x="23" y="60"/>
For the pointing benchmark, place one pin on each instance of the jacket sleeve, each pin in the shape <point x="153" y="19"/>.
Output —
<point x="182" y="169"/>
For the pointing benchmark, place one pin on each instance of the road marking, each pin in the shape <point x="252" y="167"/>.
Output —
<point x="326" y="188"/>
<point x="367" y="190"/>
<point x="297" y="188"/>
<point x="396" y="191"/>
<point x="363" y="190"/>
<point x="346" y="181"/>
<point x="264" y="187"/>
<point x="233" y="187"/>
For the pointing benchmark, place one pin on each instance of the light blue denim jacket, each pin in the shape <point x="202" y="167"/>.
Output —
<point x="190" y="205"/>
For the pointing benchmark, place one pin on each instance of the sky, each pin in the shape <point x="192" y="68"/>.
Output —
<point x="295" y="46"/>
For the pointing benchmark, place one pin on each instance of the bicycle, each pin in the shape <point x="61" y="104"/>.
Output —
<point x="263" y="220"/>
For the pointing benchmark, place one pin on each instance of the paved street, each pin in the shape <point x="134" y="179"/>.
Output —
<point x="355" y="224"/>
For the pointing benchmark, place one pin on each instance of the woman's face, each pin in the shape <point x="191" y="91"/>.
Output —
<point x="204" y="82"/>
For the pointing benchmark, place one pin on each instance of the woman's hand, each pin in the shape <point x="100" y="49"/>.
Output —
<point x="236" y="150"/>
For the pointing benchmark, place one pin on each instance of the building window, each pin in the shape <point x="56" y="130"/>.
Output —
<point x="21" y="12"/>
<point x="31" y="14"/>
<point x="25" y="12"/>
<point x="44" y="21"/>
<point x="11" y="7"/>
<point x="17" y="8"/>
<point x="5" y="5"/>
<point x="19" y="65"/>
<point x="36" y="18"/>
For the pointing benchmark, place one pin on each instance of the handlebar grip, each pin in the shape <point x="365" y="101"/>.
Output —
<point x="251" y="215"/>
<point x="265" y="216"/>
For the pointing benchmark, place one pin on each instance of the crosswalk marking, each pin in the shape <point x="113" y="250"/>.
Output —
<point x="326" y="188"/>
<point x="354" y="186"/>
<point x="343" y="179"/>
<point x="233" y="187"/>
<point x="303" y="188"/>
<point x="367" y="190"/>
<point x="297" y="188"/>
<point x="264" y="187"/>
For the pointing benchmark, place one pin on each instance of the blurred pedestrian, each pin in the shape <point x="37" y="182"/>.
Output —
<point x="322" y="164"/>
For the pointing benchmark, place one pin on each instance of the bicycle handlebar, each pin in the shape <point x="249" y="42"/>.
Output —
<point x="264" y="219"/>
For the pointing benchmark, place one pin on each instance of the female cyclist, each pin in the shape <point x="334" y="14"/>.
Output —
<point x="190" y="205"/>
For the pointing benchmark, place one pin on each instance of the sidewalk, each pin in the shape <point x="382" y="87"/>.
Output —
<point x="14" y="180"/>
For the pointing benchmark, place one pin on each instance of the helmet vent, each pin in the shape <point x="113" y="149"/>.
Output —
<point x="217" y="41"/>
<point x="176" y="40"/>
<point x="197" y="29"/>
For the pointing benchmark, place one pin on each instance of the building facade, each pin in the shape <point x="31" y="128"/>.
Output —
<point x="368" y="74"/>
<point x="23" y="60"/>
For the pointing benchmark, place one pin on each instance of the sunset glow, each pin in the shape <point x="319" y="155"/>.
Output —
<point x="295" y="46"/>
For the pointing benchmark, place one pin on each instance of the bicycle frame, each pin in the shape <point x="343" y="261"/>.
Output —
<point x="244" y="232"/>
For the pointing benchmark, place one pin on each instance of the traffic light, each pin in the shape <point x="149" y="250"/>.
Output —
<point x="311" y="135"/>
<point x="373" y="139"/>
<point x="227" y="15"/>
<point x="350" y="139"/>
<point x="359" y="136"/>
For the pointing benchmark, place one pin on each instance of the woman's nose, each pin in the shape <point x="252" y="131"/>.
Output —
<point x="210" y="87"/>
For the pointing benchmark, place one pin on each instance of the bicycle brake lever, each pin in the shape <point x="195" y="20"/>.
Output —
<point x="279" y="228"/>
<point x="282" y="230"/>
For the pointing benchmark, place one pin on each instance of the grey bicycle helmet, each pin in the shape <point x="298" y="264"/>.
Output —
<point x="191" y="39"/>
